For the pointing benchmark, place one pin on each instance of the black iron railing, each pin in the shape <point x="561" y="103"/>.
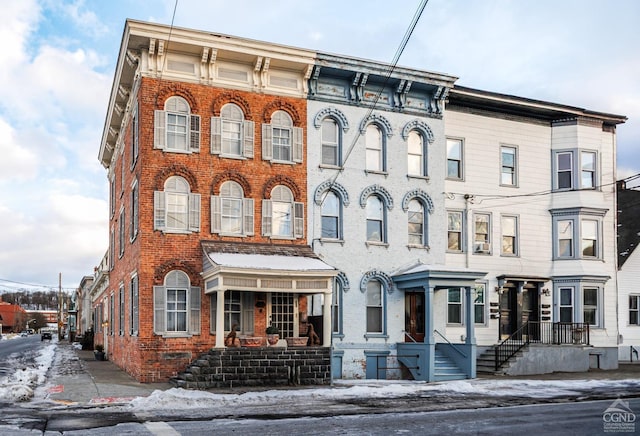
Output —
<point x="553" y="333"/>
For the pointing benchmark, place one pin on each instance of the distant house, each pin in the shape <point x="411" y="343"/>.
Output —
<point x="628" y="272"/>
<point x="13" y="318"/>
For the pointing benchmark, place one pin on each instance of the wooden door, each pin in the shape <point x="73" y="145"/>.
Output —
<point x="414" y="313"/>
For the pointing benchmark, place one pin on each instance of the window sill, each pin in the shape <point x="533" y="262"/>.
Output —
<point x="338" y="336"/>
<point x="232" y="235"/>
<point x="413" y="176"/>
<point x="330" y="167"/>
<point x="284" y="162"/>
<point x="178" y="151"/>
<point x="171" y="335"/>
<point x="289" y="238"/>
<point x="176" y="231"/>
<point x="231" y="156"/>
<point x="482" y="253"/>
<point x="508" y="186"/>
<point x="331" y="241"/>
<point x="380" y="173"/>
<point x="509" y="255"/>
<point x="376" y="244"/>
<point x="368" y="336"/>
<point x="418" y="247"/>
<point x="455" y="251"/>
<point x="455" y="179"/>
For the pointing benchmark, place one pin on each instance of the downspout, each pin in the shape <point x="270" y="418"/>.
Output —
<point x="468" y="198"/>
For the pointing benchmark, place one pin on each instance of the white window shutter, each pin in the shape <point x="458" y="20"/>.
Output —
<point x="267" y="147"/>
<point x="297" y="144"/>
<point x="216" y="214"/>
<point x="248" y="129"/>
<point x="194" y="310"/>
<point x="194" y="212"/>
<point x="159" y="314"/>
<point x="266" y="217"/>
<point x="159" y="131"/>
<point x="298" y="217"/>
<point x="216" y="135"/>
<point x="247" y="216"/>
<point x="194" y="137"/>
<point x="159" y="210"/>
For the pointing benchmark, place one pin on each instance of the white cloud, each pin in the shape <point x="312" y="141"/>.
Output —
<point x="17" y="162"/>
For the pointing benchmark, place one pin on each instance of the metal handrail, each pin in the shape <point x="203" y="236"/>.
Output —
<point x="510" y="346"/>
<point x="409" y="336"/>
<point x="449" y="342"/>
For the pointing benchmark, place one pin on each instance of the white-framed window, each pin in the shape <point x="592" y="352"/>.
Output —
<point x="455" y="234"/>
<point x="416" y="154"/>
<point x="176" y="306"/>
<point x="238" y="312"/>
<point x="339" y="286"/>
<point x="509" y="169"/>
<point x="231" y="134"/>
<point x="331" y="142"/>
<point x="121" y="310"/>
<point x="112" y="248"/>
<point x="482" y="233"/>
<point x="587" y="170"/>
<point x="176" y="129"/>
<point x="121" y="232"/>
<point x="575" y="169"/>
<point x="112" y="195"/>
<point x="231" y="213"/>
<point x="375" y="307"/>
<point x="509" y="227"/>
<point x="134" y="316"/>
<point x="135" y="136"/>
<point x="455" y="153"/>
<point x="634" y="310"/>
<point x="281" y="141"/>
<point x="480" y="303"/>
<point x="417" y="224"/>
<point x="564" y="170"/>
<point x="579" y="301"/>
<point x="577" y="233"/>
<point x="376" y="228"/>
<point x="454" y="306"/>
<point x="176" y="209"/>
<point x="135" y="208"/>
<point x="112" y="313"/>
<point x="331" y="211"/>
<point x="281" y="216"/>
<point x="375" y="149"/>
<point x="566" y="305"/>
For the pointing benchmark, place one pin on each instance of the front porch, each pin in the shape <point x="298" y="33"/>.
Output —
<point x="427" y="354"/>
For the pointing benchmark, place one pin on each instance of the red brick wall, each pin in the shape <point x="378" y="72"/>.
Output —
<point x="149" y="357"/>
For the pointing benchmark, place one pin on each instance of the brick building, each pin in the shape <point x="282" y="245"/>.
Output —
<point x="204" y="144"/>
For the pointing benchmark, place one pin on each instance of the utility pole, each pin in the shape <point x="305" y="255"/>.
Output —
<point x="59" y="306"/>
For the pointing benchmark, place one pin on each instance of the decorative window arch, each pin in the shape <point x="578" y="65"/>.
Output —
<point x="380" y="121"/>
<point x="381" y="276"/>
<point x="334" y="186"/>
<point x="379" y="191"/>
<point x="420" y="195"/>
<point x="421" y="127"/>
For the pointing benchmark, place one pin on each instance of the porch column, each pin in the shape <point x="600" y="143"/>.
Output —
<point x="429" y="342"/>
<point x="469" y="316"/>
<point x="220" y="319"/>
<point x="327" y="326"/>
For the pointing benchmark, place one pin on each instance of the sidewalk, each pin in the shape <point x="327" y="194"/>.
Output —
<point x="76" y="378"/>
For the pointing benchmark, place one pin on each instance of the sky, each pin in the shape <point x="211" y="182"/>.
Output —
<point x="58" y="59"/>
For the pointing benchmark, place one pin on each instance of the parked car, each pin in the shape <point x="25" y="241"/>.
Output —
<point x="45" y="335"/>
<point x="24" y="333"/>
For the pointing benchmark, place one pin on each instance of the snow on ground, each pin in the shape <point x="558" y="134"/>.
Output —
<point x="30" y="371"/>
<point x="348" y="389"/>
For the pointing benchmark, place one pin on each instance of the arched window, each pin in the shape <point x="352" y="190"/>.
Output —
<point x="331" y="216"/>
<point x="417" y="225"/>
<point x="176" y="209"/>
<point x="176" y="129"/>
<point x="231" y="213"/>
<point x="331" y="142"/>
<point x="376" y="231"/>
<point x="281" y="141"/>
<point x="281" y="216"/>
<point x="176" y="306"/>
<point x="231" y="134"/>
<point x="416" y="154"/>
<point x="375" y="156"/>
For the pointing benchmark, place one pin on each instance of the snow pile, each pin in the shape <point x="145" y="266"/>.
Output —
<point x="20" y="385"/>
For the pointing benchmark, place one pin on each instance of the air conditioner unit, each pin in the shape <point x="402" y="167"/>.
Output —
<point x="482" y="247"/>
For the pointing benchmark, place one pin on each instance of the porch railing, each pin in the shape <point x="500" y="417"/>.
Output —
<point x="553" y="333"/>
